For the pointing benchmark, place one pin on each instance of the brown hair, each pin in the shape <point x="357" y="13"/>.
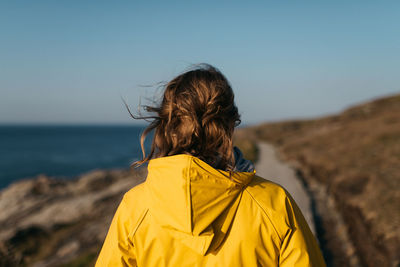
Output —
<point x="196" y="116"/>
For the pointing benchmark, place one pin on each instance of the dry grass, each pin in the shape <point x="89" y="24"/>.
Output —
<point x="357" y="155"/>
<point x="248" y="146"/>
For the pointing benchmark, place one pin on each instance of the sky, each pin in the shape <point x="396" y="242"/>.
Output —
<point x="71" y="62"/>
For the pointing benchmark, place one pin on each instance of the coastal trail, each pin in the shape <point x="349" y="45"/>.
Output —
<point x="271" y="168"/>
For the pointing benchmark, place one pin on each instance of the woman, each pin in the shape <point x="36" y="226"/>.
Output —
<point x="202" y="204"/>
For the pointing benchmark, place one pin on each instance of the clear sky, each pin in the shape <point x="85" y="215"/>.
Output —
<point x="71" y="61"/>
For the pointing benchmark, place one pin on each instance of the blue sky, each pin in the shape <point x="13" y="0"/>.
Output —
<point x="71" y="61"/>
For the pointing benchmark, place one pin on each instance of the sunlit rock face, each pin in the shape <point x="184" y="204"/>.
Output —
<point x="45" y="221"/>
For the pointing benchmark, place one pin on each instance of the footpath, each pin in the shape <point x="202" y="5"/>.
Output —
<point x="271" y="168"/>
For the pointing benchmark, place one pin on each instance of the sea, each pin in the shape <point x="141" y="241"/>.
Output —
<point x="66" y="151"/>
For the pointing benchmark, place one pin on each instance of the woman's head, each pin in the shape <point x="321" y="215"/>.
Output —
<point x="196" y="116"/>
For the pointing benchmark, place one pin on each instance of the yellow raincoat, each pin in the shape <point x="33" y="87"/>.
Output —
<point x="189" y="214"/>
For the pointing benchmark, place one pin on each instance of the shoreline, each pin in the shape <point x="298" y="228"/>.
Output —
<point x="62" y="178"/>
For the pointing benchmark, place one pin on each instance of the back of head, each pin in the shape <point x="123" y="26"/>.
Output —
<point x="196" y="116"/>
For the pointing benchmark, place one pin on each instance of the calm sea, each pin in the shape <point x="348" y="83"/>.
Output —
<point x="65" y="151"/>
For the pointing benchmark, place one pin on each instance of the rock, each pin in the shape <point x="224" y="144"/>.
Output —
<point x="46" y="221"/>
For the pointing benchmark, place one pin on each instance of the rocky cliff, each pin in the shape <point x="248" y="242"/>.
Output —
<point x="52" y="222"/>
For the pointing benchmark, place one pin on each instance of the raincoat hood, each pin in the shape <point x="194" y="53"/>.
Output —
<point x="193" y="201"/>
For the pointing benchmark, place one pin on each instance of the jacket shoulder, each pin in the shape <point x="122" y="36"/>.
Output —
<point x="271" y="199"/>
<point x="117" y="248"/>
<point x="135" y="195"/>
<point x="134" y="207"/>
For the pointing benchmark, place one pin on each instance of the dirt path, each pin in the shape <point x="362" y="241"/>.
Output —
<point x="271" y="168"/>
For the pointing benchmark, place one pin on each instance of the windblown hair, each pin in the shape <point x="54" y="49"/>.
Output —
<point x="197" y="116"/>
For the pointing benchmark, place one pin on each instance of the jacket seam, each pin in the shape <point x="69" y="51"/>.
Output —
<point x="188" y="188"/>
<point x="134" y="230"/>
<point x="266" y="214"/>
<point x="136" y="227"/>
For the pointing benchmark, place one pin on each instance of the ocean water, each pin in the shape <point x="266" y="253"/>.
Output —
<point x="65" y="151"/>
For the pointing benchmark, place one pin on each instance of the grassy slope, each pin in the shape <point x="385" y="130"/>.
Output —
<point x="357" y="155"/>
